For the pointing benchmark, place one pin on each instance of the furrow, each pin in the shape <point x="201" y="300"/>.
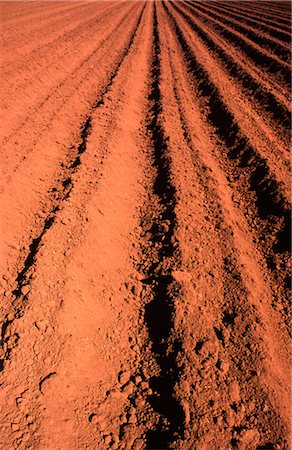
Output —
<point x="24" y="276"/>
<point x="232" y="311"/>
<point x="65" y="82"/>
<point x="261" y="57"/>
<point x="260" y="136"/>
<point x="36" y="13"/>
<point x="146" y="226"/>
<point x="159" y="311"/>
<point x="250" y="84"/>
<point x="282" y="37"/>
<point x="76" y="35"/>
<point x="205" y="346"/>
<point x="267" y="42"/>
<point x="259" y="10"/>
<point x="270" y="201"/>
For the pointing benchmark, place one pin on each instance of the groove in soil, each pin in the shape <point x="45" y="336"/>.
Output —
<point x="159" y="312"/>
<point x="269" y="198"/>
<point x="258" y="55"/>
<point x="266" y="99"/>
<point x="22" y="279"/>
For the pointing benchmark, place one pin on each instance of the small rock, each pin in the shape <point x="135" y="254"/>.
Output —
<point x="139" y="276"/>
<point x="132" y="419"/>
<point x="132" y="411"/>
<point x="128" y="434"/>
<point x="14" y="426"/>
<point x="137" y="289"/>
<point x="107" y="440"/>
<point x="140" y="402"/>
<point x="234" y="392"/>
<point x="230" y="418"/>
<point x="181" y="276"/>
<point x="115" y="393"/>
<point x="220" y="421"/>
<point x="25" y="289"/>
<point x="248" y="437"/>
<point x="138" y="379"/>
<point x="12" y="341"/>
<point x="185" y="387"/>
<point x="226" y="335"/>
<point x="224" y="366"/>
<point x="144" y="385"/>
<point x="21" y="404"/>
<point x="46" y="381"/>
<point x="129" y="388"/>
<point x="186" y="409"/>
<point x="251" y="405"/>
<point x="41" y="325"/>
<point x="124" y="377"/>
<point x="29" y="420"/>
<point x="93" y="418"/>
<point x="138" y="444"/>
<point x="25" y="437"/>
<point x="209" y="350"/>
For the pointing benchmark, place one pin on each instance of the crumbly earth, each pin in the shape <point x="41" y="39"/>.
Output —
<point x="145" y="220"/>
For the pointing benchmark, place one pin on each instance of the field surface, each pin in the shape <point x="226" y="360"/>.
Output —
<point x="145" y="221"/>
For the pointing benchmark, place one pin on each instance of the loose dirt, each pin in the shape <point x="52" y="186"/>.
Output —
<point x="145" y="225"/>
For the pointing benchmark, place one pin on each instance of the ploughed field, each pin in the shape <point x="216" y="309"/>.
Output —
<point x="145" y="225"/>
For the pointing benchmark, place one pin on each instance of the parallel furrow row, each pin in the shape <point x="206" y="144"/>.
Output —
<point x="160" y="326"/>
<point x="24" y="276"/>
<point x="251" y="84"/>
<point x="147" y="226"/>
<point x="272" y="207"/>
<point x="49" y="53"/>
<point x="36" y="11"/>
<point x="260" y="38"/>
<point x="261" y="57"/>
<point x="66" y="82"/>
<point x="260" y="10"/>
<point x="275" y="31"/>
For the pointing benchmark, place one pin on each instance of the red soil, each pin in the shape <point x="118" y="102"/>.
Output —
<point x="145" y="225"/>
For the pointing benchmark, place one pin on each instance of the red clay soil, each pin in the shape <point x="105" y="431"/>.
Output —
<point x="145" y="220"/>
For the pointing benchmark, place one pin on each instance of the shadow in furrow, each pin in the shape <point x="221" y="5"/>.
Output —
<point x="33" y="249"/>
<point x="259" y="56"/>
<point x="238" y="25"/>
<point x="67" y="185"/>
<point x="159" y="312"/>
<point x="269" y="198"/>
<point x="124" y="54"/>
<point x="266" y="99"/>
<point x="257" y="25"/>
